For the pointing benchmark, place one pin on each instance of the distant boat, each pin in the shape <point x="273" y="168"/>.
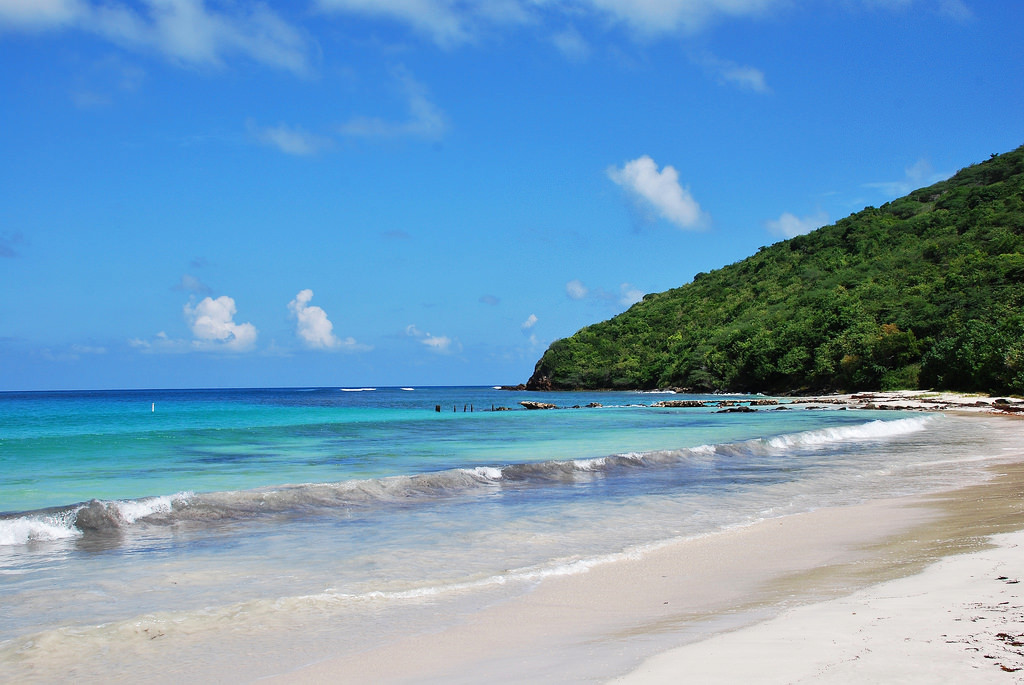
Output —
<point x="410" y="389"/>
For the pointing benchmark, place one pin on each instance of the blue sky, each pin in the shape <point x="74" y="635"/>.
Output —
<point x="201" y="193"/>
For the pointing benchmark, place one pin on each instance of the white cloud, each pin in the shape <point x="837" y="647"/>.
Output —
<point x="575" y="289"/>
<point x="917" y="175"/>
<point x="184" y="31"/>
<point x="292" y="141"/>
<point x="425" y="120"/>
<point x="789" y="225"/>
<point x="660" y="190"/>
<point x="213" y="326"/>
<point x="629" y="295"/>
<point x="436" y="343"/>
<point x="313" y="326"/>
<point x="530" y="322"/>
<point x="571" y="44"/>
<point x="191" y="284"/>
<point x="453" y="22"/>
<point x="731" y="73"/>
<point x="34" y="15"/>
<point x="446" y="22"/>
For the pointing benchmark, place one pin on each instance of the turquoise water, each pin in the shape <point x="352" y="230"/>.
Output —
<point x="187" y="507"/>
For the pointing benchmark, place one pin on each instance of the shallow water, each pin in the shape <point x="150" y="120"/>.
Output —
<point x="180" y="510"/>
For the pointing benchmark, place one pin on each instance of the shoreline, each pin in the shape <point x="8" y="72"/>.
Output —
<point x="644" y="619"/>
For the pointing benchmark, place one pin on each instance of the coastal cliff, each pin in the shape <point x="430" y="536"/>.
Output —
<point x="925" y="291"/>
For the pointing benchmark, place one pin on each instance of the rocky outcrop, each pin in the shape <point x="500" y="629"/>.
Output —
<point x="528" y="404"/>
<point x="540" y="383"/>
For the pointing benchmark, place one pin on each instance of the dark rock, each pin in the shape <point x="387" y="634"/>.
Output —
<point x="680" y="403"/>
<point x="542" y="383"/>
<point x="96" y="517"/>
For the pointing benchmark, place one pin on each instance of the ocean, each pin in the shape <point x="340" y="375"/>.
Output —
<point x="364" y="514"/>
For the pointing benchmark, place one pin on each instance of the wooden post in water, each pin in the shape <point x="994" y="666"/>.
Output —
<point x="437" y="408"/>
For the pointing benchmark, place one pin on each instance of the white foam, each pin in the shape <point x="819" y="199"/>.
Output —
<point x="130" y="511"/>
<point x="358" y="389"/>
<point x="26" y="529"/>
<point x="872" y="430"/>
<point x="589" y="464"/>
<point x="486" y="472"/>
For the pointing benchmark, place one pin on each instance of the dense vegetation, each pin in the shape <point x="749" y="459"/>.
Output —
<point x="926" y="291"/>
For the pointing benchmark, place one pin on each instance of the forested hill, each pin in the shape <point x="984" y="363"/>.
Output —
<point x="926" y="291"/>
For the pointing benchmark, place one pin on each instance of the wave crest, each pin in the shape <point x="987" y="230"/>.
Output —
<point x="98" y="517"/>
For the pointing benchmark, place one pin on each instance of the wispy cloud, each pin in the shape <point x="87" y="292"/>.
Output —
<point x="183" y="31"/>
<point x="572" y="44"/>
<point x="626" y="296"/>
<point x="730" y="73"/>
<point x="441" y="344"/>
<point x="191" y="284"/>
<point x="659" y="190"/>
<point x="446" y="22"/>
<point x="530" y="322"/>
<point x="789" y="225"/>
<point x="450" y="23"/>
<point x="10" y="241"/>
<point x="292" y="141"/>
<point x="917" y="175"/>
<point x="425" y="120"/>
<point x="576" y="290"/>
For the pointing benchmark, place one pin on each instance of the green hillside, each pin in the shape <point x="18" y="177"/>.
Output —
<point x="926" y="291"/>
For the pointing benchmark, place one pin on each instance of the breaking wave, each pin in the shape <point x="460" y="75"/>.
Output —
<point x="105" y="517"/>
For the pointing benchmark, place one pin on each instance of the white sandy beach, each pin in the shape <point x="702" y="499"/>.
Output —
<point x="961" y="620"/>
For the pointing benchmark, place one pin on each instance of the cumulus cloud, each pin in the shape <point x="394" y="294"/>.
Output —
<point x="441" y="344"/>
<point x="575" y="289"/>
<point x="789" y="225"/>
<point x="659" y="190"/>
<point x="425" y="120"/>
<point x="313" y="327"/>
<point x="292" y="141"/>
<point x="184" y="31"/>
<point x="213" y="326"/>
<point x="530" y="322"/>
